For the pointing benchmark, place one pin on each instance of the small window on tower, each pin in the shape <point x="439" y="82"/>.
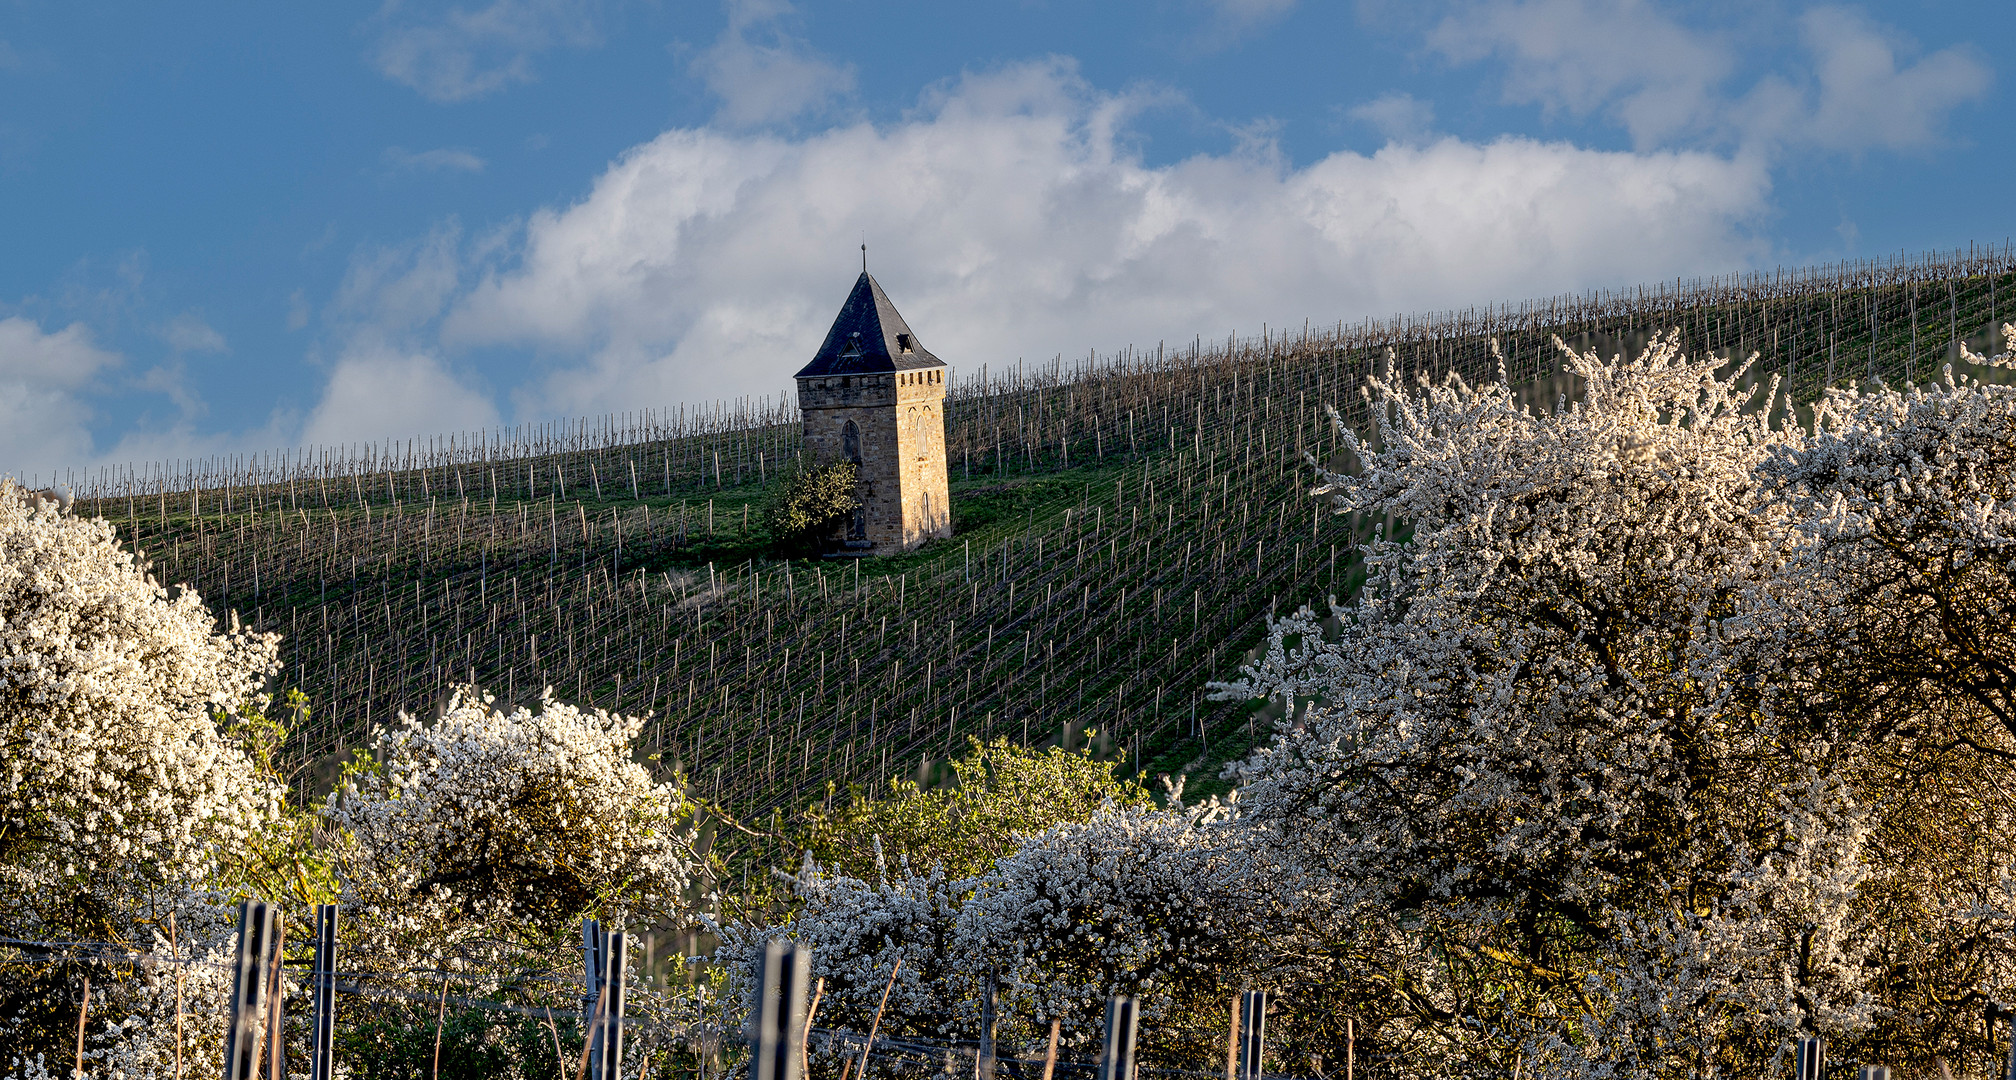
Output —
<point x="903" y="342"/>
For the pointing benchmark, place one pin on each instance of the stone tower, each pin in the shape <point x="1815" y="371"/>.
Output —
<point x="875" y="396"/>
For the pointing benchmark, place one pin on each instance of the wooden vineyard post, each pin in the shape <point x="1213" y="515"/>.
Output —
<point x="276" y="1045"/>
<point x="607" y="1052"/>
<point x="1253" y="1033"/>
<point x="777" y="1028"/>
<point x="983" y="1065"/>
<point x="257" y="921"/>
<point x="591" y="975"/>
<point x="322" y="1059"/>
<point x="1809" y="1059"/>
<point x="1116" y="1055"/>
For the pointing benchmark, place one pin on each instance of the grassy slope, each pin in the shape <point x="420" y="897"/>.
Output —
<point x="1076" y="594"/>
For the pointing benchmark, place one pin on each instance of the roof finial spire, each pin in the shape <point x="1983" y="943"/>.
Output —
<point x="864" y="256"/>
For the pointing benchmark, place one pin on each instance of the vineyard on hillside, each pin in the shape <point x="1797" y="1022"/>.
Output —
<point x="1123" y="527"/>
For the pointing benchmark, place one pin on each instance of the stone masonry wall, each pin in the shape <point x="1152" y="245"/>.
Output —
<point x="901" y="418"/>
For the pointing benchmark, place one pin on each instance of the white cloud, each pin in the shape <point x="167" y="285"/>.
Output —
<point x="1667" y="83"/>
<point x="378" y="392"/>
<point x="764" y="75"/>
<point x="388" y="379"/>
<point x="397" y="289"/>
<point x="46" y="384"/>
<point x="187" y="333"/>
<point x="451" y="53"/>
<point x="440" y="159"/>
<point x="1863" y="100"/>
<point x="1007" y="220"/>
<point x="1399" y="117"/>
<point x="1657" y="78"/>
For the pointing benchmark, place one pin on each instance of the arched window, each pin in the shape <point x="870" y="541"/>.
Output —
<point x="850" y="443"/>
<point x="857" y="529"/>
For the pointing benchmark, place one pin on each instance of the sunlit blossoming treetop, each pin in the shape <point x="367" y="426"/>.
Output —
<point x="1671" y="730"/>
<point x="119" y="789"/>
<point x="507" y="826"/>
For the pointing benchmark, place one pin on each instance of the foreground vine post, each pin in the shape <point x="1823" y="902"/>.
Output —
<point x="607" y="1032"/>
<point x="1253" y="1032"/>
<point x="983" y="1063"/>
<point x="1116" y="1055"/>
<point x="1810" y="1060"/>
<point x="805" y="1039"/>
<point x="322" y="1057"/>
<point x="591" y="983"/>
<point x="256" y="922"/>
<point x="175" y="947"/>
<point x="1232" y="1043"/>
<point x="1050" y="1054"/>
<point x="777" y="1029"/>
<point x="588" y="1027"/>
<point x="276" y="999"/>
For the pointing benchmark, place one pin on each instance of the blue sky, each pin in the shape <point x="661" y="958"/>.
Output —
<point x="231" y="228"/>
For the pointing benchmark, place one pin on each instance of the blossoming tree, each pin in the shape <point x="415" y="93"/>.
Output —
<point x="1611" y="764"/>
<point x="119" y="788"/>
<point x="505" y="827"/>
<point x="126" y="785"/>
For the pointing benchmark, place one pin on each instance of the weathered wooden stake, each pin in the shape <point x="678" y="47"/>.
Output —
<point x="983" y="1063"/>
<point x="1253" y="1032"/>
<point x="257" y="920"/>
<point x="1809" y="1059"/>
<point x="777" y="1027"/>
<point x="1116" y="1055"/>
<point x="608" y="1033"/>
<point x="322" y="1059"/>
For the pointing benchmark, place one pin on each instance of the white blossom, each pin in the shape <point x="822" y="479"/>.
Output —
<point x="489" y="826"/>
<point x="117" y="788"/>
<point x="1668" y="728"/>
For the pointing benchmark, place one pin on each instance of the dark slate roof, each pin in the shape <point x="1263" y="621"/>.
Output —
<point x="863" y="338"/>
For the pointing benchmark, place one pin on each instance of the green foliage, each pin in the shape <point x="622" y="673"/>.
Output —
<point x="282" y="861"/>
<point x="816" y="499"/>
<point x="998" y="792"/>
<point x="398" y="1044"/>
